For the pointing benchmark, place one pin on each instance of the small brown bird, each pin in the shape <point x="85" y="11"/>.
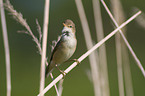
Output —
<point x="64" y="48"/>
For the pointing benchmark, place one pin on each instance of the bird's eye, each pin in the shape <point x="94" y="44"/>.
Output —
<point x="70" y="26"/>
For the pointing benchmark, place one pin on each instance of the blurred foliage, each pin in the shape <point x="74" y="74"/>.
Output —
<point x="25" y="62"/>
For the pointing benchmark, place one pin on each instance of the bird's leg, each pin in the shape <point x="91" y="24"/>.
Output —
<point x="76" y="60"/>
<point x="63" y="73"/>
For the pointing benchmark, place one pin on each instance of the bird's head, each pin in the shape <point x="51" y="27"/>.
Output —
<point x="69" y="26"/>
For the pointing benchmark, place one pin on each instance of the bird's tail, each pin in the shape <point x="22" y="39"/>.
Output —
<point x="48" y="69"/>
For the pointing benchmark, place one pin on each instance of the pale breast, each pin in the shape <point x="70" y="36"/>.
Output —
<point x="66" y="49"/>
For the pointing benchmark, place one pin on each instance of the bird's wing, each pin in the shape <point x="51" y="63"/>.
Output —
<point x="54" y="50"/>
<point x="48" y="69"/>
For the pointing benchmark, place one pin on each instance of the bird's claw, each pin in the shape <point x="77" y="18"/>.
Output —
<point x="63" y="73"/>
<point x="77" y="61"/>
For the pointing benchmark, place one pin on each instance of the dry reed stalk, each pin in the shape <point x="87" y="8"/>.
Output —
<point x="89" y="52"/>
<point x="141" y="19"/>
<point x="117" y="10"/>
<point x="102" y="50"/>
<point x="60" y="87"/>
<point x="125" y="59"/>
<point x="127" y="72"/>
<point x="92" y="58"/>
<point x="57" y="91"/>
<point x="6" y="47"/>
<point x="44" y="44"/>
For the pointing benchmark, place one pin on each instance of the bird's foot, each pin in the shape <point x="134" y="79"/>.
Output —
<point x="62" y="72"/>
<point x="77" y="61"/>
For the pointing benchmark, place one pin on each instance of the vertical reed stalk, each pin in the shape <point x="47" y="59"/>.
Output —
<point x="89" y="43"/>
<point x="102" y="50"/>
<point x="44" y="44"/>
<point x="6" y="47"/>
<point x="127" y="72"/>
<point x="119" y="16"/>
<point x="116" y="7"/>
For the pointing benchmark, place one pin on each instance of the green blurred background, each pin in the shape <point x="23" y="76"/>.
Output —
<point x="25" y="60"/>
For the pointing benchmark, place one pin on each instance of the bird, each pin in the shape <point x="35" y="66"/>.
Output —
<point x="64" y="48"/>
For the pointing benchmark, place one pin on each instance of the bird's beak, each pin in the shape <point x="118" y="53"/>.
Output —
<point x="64" y="24"/>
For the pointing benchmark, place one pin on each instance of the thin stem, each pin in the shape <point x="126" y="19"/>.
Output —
<point x="127" y="72"/>
<point x="60" y="87"/>
<point x="55" y="85"/>
<point x="120" y="17"/>
<point x="102" y="50"/>
<point x="44" y="44"/>
<point x="92" y="58"/>
<point x="116" y="8"/>
<point x="89" y="52"/>
<point x="6" y="45"/>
